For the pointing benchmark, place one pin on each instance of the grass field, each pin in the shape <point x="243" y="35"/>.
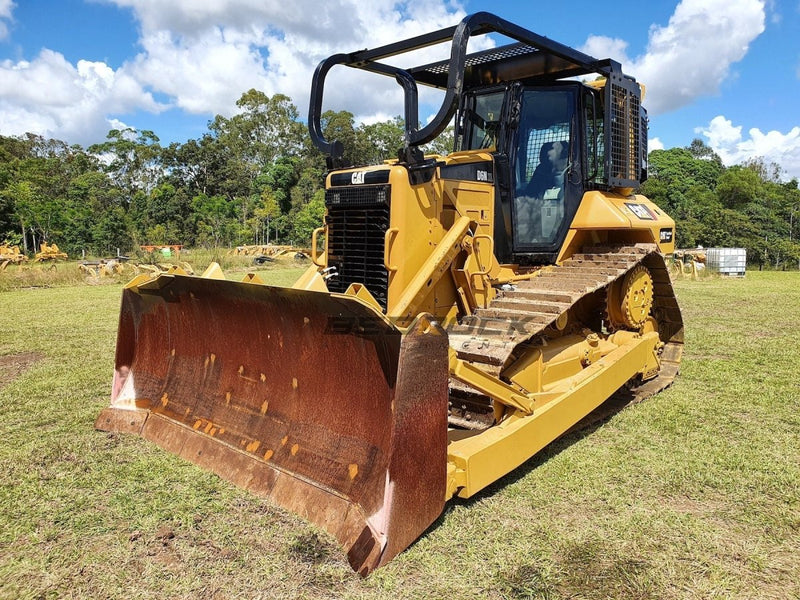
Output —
<point x="694" y="493"/>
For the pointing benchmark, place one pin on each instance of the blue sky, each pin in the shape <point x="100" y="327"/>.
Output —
<point x="726" y="71"/>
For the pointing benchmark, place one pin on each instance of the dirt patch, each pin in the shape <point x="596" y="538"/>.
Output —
<point x="14" y="365"/>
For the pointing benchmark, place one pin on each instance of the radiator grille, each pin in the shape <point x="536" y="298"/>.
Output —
<point x="357" y="220"/>
<point x="626" y="152"/>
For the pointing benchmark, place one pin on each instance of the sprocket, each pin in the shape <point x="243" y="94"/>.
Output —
<point x="630" y="299"/>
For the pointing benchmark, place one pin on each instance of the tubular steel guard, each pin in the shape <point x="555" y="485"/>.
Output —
<point x="312" y="399"/>
<point x="479" y="23"/>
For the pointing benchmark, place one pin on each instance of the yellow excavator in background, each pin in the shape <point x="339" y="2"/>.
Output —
<point x="466" y="310"/>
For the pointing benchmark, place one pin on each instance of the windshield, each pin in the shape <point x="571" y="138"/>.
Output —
<point x="541" y="165"/>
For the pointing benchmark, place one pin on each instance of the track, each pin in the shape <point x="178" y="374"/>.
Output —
<point x="561" y="299"/>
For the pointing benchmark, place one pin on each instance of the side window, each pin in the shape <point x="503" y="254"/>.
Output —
<point x="482" y="121"/>
<point x="595" y="138"/>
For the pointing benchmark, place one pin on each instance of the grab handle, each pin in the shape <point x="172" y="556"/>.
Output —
<point x="314" y="257"/>
<point x="388" y="240"/>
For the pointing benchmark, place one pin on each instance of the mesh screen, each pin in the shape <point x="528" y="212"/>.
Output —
<point x="624" y="160"/>
<point x="536" y="143"/>
<point x="480" y="58"/>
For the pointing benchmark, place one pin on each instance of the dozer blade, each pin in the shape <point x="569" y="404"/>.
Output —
<point x="312" y="399"/>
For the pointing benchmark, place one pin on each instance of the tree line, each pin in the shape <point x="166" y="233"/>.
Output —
<point x="743" y="206"/>
<point x="256" y="178"/>
<point x="253" y="178"/>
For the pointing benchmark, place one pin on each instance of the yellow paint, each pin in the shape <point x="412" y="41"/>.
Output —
<point x="478" y="460"/>
<point x="488" y="384"/>
<point x="352" y="469"/>
<point x="408" y="305"/>
<point x="604" y="217"/>
<point x="311" y="280"/>
<point x="214" y="271"/>
<point x="417" y="249"/>
<point x="295" y="448"/>
<point x="252" y="278"/>
<point x="361" y="292"/>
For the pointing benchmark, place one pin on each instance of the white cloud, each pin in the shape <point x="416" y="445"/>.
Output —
<point x="6" y="10"/>
<point x="726" y="139"/>
<point x="206" y="75"/>
<point x="52" y="97"/>
<point x="654" y="144"/>
<point x="775" y="16"/>
<point x="118" y="125"/>
<point x="201" y="56"/>
<point x="692" y="55"/>
<point x="189" y="17"/>
<point x="205" y="55"/>
<point x="601" y="46"/>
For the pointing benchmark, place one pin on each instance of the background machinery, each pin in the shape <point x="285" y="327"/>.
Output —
<point x="465" y="311"/>
<point x="49" y="252"/>
<point x="10" y="255"/>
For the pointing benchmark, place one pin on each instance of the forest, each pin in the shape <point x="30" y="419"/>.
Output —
<point x="256" y="178"/>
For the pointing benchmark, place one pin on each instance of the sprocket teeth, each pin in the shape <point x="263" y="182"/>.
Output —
<point x="629" y="305"/>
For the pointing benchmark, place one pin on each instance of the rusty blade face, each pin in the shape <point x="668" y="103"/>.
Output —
<point x="312" y="399"/>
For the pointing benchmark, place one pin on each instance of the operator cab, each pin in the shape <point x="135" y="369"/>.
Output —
<point x="548" y="140"/>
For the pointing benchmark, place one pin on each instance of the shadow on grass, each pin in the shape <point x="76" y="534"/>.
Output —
<point x="584" y="428"/>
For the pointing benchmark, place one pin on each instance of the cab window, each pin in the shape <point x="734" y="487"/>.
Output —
<point x="482" y="121"/>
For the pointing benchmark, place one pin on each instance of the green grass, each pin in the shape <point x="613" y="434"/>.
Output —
<point x="694" y="493"/>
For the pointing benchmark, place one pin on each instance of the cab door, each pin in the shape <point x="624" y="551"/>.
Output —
<point x="546" y="166"/>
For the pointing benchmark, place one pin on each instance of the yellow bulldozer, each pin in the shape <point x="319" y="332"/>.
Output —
<point x="10" y="255"/>
<point x="463" y="312"/>
<point x="49" y="252"/>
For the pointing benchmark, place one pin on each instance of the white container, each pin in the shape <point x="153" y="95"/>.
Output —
<point x="727" y="261"/>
